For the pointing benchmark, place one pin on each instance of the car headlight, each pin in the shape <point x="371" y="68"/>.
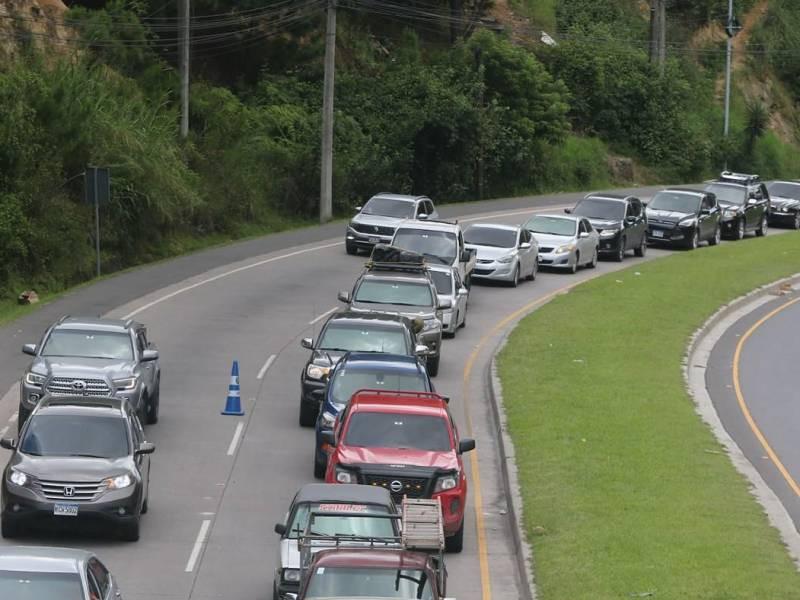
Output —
<point x="430" y="324"/>
<point x="18" y="477"/>
<point x="317" y="371"/>
<point x="291" y="575"/>
<point x="119" y="482"/>
<point x="688" y="222"/>
<point x="125" y="384"/>
<point x="731" y="212"/>
<point x="447" y="482"/>
<point x="609" y="233"/>
<point x="507" y="259"/>
<point x="35" y="379"/>
<point x="343" y="476"/>
<point x="565" y="248"/>
<point x="328" y="418"/>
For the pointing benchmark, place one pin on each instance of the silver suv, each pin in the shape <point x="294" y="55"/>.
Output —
<point x="93" y="357"/>
<point x="376" y="221"/>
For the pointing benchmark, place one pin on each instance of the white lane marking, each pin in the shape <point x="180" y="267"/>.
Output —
<point x="198" y="545"/>
<point x="236" y="435"/>
<point x="4" y="431"/>
<point x="14" y="418"/>
<point x="322" y="316"/>
<point x="266" y="367"/>
<point x="226" y="274"/>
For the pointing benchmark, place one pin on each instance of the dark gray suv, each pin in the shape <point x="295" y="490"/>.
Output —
<point x="77" y="459"/>
<point x="93" y="357"/>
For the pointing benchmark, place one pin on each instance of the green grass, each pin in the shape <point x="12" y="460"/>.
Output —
<point x="625" y="490"/>
<point x="541" y="12"/>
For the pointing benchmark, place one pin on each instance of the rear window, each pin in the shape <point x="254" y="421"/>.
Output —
<point x="490" y="236"/>
<point x="347" y="382"/>
<point x="341" y="525"/>
<point x="24" y="585"/>
<point x="390" y="430"/>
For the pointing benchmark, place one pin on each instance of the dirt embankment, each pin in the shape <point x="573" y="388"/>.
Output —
<point x="33" y="22"/>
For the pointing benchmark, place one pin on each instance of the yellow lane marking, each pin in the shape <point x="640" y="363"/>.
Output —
<point x="743" y="405"/>
<point x="483" y="556"/>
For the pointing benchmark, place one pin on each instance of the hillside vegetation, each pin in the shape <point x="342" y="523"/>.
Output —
<point x="425" y="103"/>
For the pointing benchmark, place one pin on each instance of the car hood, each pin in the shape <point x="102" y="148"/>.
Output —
<point x="670" y="216"/>
<point x="379" y="220"/>
<point x="63" y="366"/>
<point x="489" y="252"/>
<point x="68" y="468"/>
<point x="426" y="312"/>
<point x="392" y="456"/>
<point x="782" y="203"/>
<point x="601" y="224"/>
<point x="548" y="240"/>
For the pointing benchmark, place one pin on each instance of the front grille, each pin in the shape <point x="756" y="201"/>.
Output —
<point x="484" y="261"/>
<point x="80" y="491"/>
<point x="546" y="249"/>
<point x="664" y="224"/>
<point x="373" y="229"/>
<point x="413" y="487"/>
<point x="78" y="386"/>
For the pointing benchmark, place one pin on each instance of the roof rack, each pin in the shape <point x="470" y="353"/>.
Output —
<point x="390" y="258"/>
<point x="744" y="178"/>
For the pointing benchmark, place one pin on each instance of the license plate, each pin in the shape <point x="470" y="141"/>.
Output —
<point x="374" y="240"/>
<point x="65" y="510"/>
<point x="658" y="233"/>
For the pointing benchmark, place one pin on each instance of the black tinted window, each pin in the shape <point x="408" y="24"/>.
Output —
<point x="23" y="585"/>
<point x="490" y="236"/>
<point x="388" y="430"/>
<point x="443" y="282"/>
<point x="76" y="435"/>
<point x="598" y="208"/>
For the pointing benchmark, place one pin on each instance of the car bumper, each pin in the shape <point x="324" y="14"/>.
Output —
<point x="609" y="245"/>
<point x="562" y="260"/>
<point x="453" y="502"/>
<point x="365" y="240"/>
<point x="432" y="339"/>
<point x="494" y="271"/>
<point x="307" y="388"/>
<point x="729" y="226"/>
<point x="781" y="217"/>
<point x="29" y="395"/>
<point x="449" y="324"/>
<point x="664" y="235"/>
<point x="286" y="588"/>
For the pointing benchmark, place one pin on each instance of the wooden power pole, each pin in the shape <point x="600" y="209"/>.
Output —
<point x="326" y="171"/>
<point x="184" y="20"/>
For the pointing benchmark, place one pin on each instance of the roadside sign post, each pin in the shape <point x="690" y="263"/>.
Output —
<point x="97" y="184"/>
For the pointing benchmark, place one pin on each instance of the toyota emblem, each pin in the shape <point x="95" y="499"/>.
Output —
<point x="376" y="228"/>
<point x="79" y="384"/>
<point x="396" y="486"/>
<point x="69" y="491"/>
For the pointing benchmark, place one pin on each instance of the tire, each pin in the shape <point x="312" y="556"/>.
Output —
<point x="592" y="263"/>
<point x="574" y="268"/>
<point x="145" y="505"/>
<point x="620" y="255"/>
<point x="130" y="532"/>
<point x="464" y="322"/>
<point x="740" y="230"/>
<point x="762" y="229"/>
<point x="351" y="249"/>
<point x="714" y="241"/>
<point x="534" y="269"/>
<point x="796" y="222"/>
<point x="22" y="416"/>
<point x="153" y="404"/>
<point x="308" y="416"/>
<point x="319" y="468"/>
<point x="694" y="241"/>
<point x="642" y="249"/>
<point x="515" y="281"/>
<point x="10" y="529"/>
<point x="455" y="543"/>
<point x="433" y="365"/>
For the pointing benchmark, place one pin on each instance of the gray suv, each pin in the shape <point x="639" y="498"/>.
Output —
<point x="93" y="357"/>
<point x="376" y="221"/>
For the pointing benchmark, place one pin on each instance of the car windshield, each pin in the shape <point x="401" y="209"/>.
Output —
<point x="784" y="189"/>
<point x="443" y="282"/>
<point x="404" y="293"/>
<point x="347" y="382"/>
<point x="365" y="582"/>
<point x="391" y="430"/>
<point x="732" y="194"/>
<point x="363" y="339"/>
<point x="388" y="207"/>
<point x="31" y="585"/>
<point x="490" y="236"/>
<point x="675" y="202"/>
<point x="89" y="344"/>
<point x="600" y="208"/>
<point x="439" y="246"/>
<point x="341" y="525"/>
<point x="75" y="435"/>
<point x="552" y="225"/>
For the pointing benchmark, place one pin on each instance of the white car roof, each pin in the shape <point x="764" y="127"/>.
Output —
<point x="500" y="226"/>
<point x="41" y="559"/>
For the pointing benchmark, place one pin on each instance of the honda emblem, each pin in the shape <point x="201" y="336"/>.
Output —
<point x="69" y="491"/>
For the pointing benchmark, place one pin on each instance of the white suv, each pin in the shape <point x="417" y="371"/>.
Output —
<point x="440" y="242"/>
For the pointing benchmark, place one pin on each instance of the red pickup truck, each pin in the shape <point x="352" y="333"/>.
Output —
<point x="406" y="442"/>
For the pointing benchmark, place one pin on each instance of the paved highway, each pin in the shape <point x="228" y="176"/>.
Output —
<point x="752" y="378"/>
<point x="220" y="483"/>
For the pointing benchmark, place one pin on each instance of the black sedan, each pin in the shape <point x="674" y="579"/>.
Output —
<point x="620" y="221"/>
<point x="785" y="203"/>
<point x="683" y="217"/>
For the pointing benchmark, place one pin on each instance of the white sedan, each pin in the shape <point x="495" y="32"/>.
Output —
<point x="450" y="287"/>
<point x="565" y="241"/>
<point x="505" y="252"/>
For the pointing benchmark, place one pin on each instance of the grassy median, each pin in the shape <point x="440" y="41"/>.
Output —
<point x="626" y="492"/>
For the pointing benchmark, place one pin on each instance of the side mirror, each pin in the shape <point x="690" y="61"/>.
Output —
<point x="344" y="297"/>
<point x="525" y="245"/>
<point x="280" y="528"/>
<point x="307" y="343"/>
<point x="421" y="350"/>
<point x="583" y="234"/>
<point x="705" y="211"/>
<point x="466" y="255"/>
<point x="568" y="211"/>
<point x="8" y="443"/>
<point x="445" y="398"/>
<point x="645" y="204"/>
<point x="327" y="437"/>
<point x="466" y="445"/>
<point x="149" y="355"/>
<point x="445" y="304"/>
<point x="29" y="349"/>
<point x="358" y="208"/>
<point x="752" y="200"/>
<point x="463" y="291"/>
<point x="145" y="448"/>
<point x="630" y="220"/>
<point x="422" y="216"/>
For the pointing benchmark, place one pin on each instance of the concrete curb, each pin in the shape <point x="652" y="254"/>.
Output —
<point x="694" y="367"/>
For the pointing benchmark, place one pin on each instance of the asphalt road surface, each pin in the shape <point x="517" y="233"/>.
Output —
<point x="219" y="483"/>
<point x="759" y="402"/>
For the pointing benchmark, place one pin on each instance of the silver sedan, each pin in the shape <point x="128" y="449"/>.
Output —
<point x="565" y="241"/>
<point x="450" y="287"/>
<point x="505" y="253"/>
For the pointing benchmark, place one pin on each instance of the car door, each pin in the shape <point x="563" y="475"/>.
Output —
<point x="99" y="580"/>
<point x="142" y="460"/>
<point x="434" y="214"/>
<point x="147" y="369"/>
<point x="460" y="299"/>
<point x="640" y="222"/>
<point x="706" y="222"/>
<point x="754" y="208"/>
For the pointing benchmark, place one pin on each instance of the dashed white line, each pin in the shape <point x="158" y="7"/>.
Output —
<point x="266" y="366"/>
<point x="236" y="435"/>
<point x="198" y="545"/>
<point x="4" y="431"/>
<point x="14" y="418"/>
<point x="322" y="316"/>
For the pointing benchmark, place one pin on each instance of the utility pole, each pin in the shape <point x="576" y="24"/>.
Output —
<point x="658" y="32"/>
<point x="731" y="28"/>
<point x="184" y="14"/>
<point x="326" y="171"/>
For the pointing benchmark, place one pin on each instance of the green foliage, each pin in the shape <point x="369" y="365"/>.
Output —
<point x="779" y="35"/>
<point x="623" y="15"/>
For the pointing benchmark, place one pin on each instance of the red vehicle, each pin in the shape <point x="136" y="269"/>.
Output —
<point x="408" y="443"/>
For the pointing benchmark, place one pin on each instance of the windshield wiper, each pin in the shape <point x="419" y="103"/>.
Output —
<point x="82" y="455"/>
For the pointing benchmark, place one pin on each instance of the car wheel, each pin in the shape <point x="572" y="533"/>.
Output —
<point x="22" y="416"/>
<point x="10" y="529"/>
<point x="464" y="322"/>
<point x="351" y="249"/>
<point x="739" y="230"/>
<point x="319" y="468"/>
<point x="642" y="249"/>
<point x="620" y="255"/>
<point x="308" y="416"/>
<point x="455" y="543"/>
<point x="433" y="365"/>
<point x="534" y="269"/>
<point x="152" y="404"/>
<point x="592" y="263"/>
<point x="515" y="280"/>
<point x="717" y="237"/>
<point x="145" y="506"/>
<point x="796" y="223"/>
<point x="130" y="532"/>
<point x="762" y="229"/>
<point x="692" y="242"/>
<point x="573" y="268"/>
